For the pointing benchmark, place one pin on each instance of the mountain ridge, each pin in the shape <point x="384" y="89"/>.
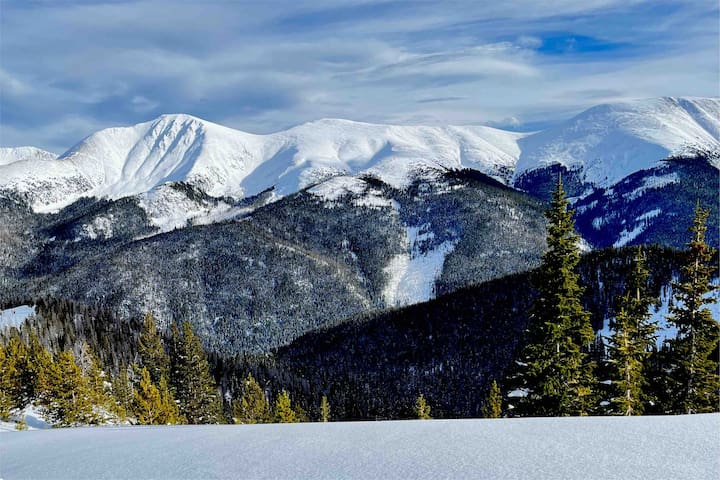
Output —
<point x="604" y="144"/>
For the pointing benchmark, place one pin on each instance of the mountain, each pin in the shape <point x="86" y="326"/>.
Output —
<point x="119" y="162"/>
<point x="601" y="145"/>
<point x="275" y="270"/>
<point x="606" y="143"/>
<point x="12" y="155"/>
<point x="259" y="239"/>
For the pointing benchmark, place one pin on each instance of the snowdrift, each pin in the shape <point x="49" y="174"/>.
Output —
<point x="592" y="447"/>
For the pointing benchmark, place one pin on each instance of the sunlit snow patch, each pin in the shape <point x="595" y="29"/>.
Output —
<point x="13" y="317"/>
<point x="411" y="276"/>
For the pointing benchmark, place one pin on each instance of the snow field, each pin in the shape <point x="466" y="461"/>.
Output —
<point x="674" y="447"/>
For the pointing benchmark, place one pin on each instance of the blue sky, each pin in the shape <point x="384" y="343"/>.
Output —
<point x="69" y="68"/>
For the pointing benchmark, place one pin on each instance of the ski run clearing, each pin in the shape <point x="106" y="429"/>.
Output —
<point x="672" y="447"/>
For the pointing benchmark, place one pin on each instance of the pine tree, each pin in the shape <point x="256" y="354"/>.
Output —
<point x="38" y="369"/>
<point x="15" y="391"/>
<point x="493" y="405"/>
<point x="695" y="369"/>
<point x="283" y="409"/>
<point x="68" y="402"/>
<point x="6" y="375"/>
<point x="149" y="405"/>
<point x="194" y="386"/>
<point x="632" y="341"/>
<point x="252" y="407"/>
<point x="122" y="393"/>
<point x="99" y="395"/>
<point x="422" y="409"/>
<point x="557" y="373"/>
<point x="324" y="409"/>
<point x="151" y="350"/>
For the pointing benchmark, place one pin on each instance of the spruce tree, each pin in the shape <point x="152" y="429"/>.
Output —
<point x="151" y="350"/>
<point x="15" y="390"/>
<point x="99" y="395"/>
<point x="493" y="404"/>
<point x="6" y="402"/>
<point x="39" y="368"/>
<point x="68" y="402"/>
<point x="252" y="407"/>
<point x="324" y="409"/>
<point x="557" y="373"/>
<point x="695" y="371"/>
<point x="195" y="390"/>
<point x="122" y="393"/>
<point x="422" y="409"/>
<point x="283" y="409"/>
<point x="632" y="341"/>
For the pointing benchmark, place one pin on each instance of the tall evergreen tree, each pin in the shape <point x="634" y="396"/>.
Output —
<point x="283" y="409"/>
<point x="69" y="401"/>
<point x="695" y="369"/>
<point x="151" y="350"/>
<point x="493" y="404"/>
<point x="15" y="385"/>
<point x="194" y="386"/>
<point x="422" y="409"/>
<point x="557" y="373"/>
<point x="632" y="341"/>
<point x="253" y="406"/>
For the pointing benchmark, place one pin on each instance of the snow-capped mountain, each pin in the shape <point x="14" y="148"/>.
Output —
<point x="119" y="162"/>
<point x="12" y="155"/>
<point x="601" y="145"/>
<point x="608" y="142"/>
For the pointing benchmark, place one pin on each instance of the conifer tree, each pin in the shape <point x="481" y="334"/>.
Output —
<point x="149" y="405"/>
<point x="422" y="409"/>
<point x="253" y="406"/>
<point x="6" y="402"/>
<point x="151" y="350"/>
<point x="99" y="395"/>
<point x="695" y="371"/>
<point x="195" y="390"/>
<point x="68" y="402"/>
<point x="122" y="393"/>
<point x="493" y="405"/>
<point x="283" y="409"/>
<point x="38" y="369"/>
<point x="324" y="409"/>
<point x="632" y="341"/>
<point x="557" y="373"/>
<point x="15" y="389"/>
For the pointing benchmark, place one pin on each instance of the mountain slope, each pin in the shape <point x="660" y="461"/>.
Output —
<point x="119" y="162"/>
<point x="606" y="143"/>
<point x="598" y="147"/>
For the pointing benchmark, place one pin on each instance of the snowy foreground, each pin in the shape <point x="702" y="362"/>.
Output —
<point x="680" y="447"/>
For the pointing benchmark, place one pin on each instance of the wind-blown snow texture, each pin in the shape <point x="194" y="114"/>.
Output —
<point x="606" y="143"/>
<point x="589" y="448"/>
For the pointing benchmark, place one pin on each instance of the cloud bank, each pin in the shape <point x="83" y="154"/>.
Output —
<point x="70" y="68"/>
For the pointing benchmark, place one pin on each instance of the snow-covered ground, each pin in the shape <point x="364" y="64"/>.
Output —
<point x="13" y="317"/>
<point x="675" y="447"/>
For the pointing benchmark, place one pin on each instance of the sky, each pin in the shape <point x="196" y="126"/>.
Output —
<point x="70" y="68"/>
